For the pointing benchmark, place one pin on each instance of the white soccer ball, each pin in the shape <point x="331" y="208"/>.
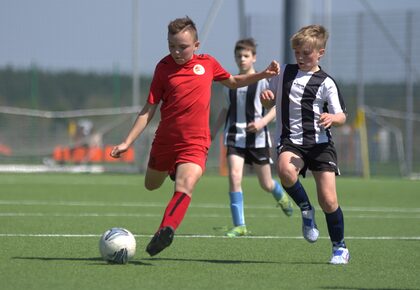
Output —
<point x="117" y="245"/>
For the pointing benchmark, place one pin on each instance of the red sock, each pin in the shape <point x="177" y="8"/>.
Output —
<point x="175" y="211"/>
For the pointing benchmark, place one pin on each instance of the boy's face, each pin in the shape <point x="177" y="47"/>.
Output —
<point x="182" y="46"/>
<point x="245" y="60"/>
<point x="307" y="57"/>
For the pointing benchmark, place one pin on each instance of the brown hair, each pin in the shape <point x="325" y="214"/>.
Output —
<point x="315" y="35"/>
<point x="246" y="43"/>
<point x="181" y="24"/>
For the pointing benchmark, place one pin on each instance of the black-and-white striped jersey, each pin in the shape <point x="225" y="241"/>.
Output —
<point x="245" y="107"/>
<point x="301" y="97"/>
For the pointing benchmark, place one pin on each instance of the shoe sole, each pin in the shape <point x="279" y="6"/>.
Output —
<point x="236" y="235"/>
<point x="341" y="259"/>
<point x="339" y="263"/>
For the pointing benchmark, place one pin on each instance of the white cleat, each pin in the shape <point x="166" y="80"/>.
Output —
<point x="340" y="256"/>
<point x="309" y="229"/>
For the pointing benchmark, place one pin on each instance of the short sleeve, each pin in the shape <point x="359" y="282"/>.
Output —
<point x="334" y="99"/>
<point x="156" y="88"/>
<point x="219" y="73"/>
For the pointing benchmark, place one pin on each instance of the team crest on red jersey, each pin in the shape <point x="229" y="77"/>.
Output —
<point x="199" y="69"/>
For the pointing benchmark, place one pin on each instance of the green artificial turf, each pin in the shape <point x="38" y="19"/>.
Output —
<point x="50" y="225"/>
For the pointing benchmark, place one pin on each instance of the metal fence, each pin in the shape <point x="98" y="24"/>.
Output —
<point x="378" y="55"/>
<point x="374" y="58"/>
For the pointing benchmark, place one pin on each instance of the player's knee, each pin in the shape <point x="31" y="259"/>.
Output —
<point x="185" y="184"/>
<point x="151" y="185"/>
<point x="235" y="179"/>
<point x="235" y="174"/>
<point x="328" y="205"/>
<point x="287" y="176"/>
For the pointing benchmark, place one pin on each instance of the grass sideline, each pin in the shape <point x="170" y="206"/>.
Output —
<point x="51" y="224"/>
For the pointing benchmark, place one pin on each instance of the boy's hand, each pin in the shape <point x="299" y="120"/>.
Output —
<point x="254" y="127"/>
<point x="267" y="99"/>
<point x="325" y="120"/>
<point x="118" y="150"/>
<point x="273" y="69"/>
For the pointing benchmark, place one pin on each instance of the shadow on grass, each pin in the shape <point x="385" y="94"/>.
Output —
<point x="98" y="261"/>
<point x="214" y="261"/>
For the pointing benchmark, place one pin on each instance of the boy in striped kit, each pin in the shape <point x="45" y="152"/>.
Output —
<point x="308" y="104"/>
<point x="247" y="138"/>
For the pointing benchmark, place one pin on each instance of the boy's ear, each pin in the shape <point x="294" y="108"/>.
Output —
<point x="196" y="45"/>
<point x="321" y="52"/>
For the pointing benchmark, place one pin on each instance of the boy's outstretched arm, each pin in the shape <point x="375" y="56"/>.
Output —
<point x="141" y="122"/>
<point x="243" y="80"/>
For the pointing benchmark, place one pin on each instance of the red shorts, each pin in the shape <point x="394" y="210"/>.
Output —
<point x="167" y="157"/>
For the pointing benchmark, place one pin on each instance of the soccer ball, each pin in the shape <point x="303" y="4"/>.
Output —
<point x="117" y="246"/>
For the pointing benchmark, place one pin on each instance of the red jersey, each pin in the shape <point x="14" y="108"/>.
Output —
<point x="185" y="91"/>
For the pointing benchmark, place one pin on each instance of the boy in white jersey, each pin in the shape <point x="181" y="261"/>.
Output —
<point x="308" y="103"/>
<point x="247" y="138"/>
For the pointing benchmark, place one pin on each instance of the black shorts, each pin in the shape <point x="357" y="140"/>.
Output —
<point x="318" y="157"/>
<point x="259" y="156"/>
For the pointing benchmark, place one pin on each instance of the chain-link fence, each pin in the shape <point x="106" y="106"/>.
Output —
<point x="373" y="57"/>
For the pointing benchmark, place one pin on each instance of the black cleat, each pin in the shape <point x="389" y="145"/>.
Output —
<point x="162" y="239"/>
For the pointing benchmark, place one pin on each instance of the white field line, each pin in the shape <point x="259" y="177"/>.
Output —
<point x="193" y="205"/>
<point x="206" y="215"/>
<point x="203" y="237"/>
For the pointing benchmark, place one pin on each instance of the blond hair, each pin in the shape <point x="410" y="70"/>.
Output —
<point x="314" y="35"/>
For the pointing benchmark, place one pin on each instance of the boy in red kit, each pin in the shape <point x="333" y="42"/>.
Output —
<point x="182" y="83"/>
